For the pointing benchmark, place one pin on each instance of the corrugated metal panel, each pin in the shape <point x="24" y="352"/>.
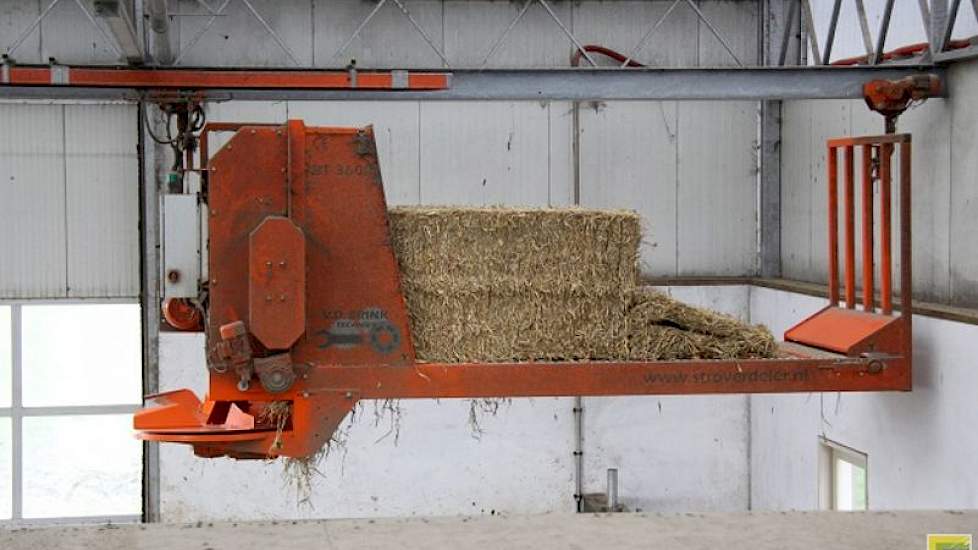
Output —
<point x="796" y="198"/>
<point x="621" y="25"/>
<point x="964" y="187"/>
<point x="561" y="153"/>
<point x="485" y="153"/>
<point x="238" y="38"/>
<point x="396" y="127"/>
<point x="471" y="27"/>
<point x="829" y="119"/>
<point x="68" y="36"/>
<point x="717" y="191"/>
<point x="32" y="202"/>
<point x="717" y="181"/>
<point x="388" y="40"/>
<point x="628" y="160"/>
<point x="102" y="189"/>
<point x="932" y="180"/>
<point x="737" y="24"/>
<point x="15" y="17"/>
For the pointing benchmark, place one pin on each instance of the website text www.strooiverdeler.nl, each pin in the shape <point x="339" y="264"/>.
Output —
<point x="710" y="377"/>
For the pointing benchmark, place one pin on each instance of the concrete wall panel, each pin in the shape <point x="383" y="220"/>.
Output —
<point x="432" y="462"/>
<point x="919" y="444"/>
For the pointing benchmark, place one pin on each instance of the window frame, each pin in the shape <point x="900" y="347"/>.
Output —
<point x="829" y="452"/>
<point x="17" y="412"/>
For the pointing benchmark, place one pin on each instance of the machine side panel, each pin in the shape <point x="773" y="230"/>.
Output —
<point x="355" y="310"/>
<point x="247" y="183"/>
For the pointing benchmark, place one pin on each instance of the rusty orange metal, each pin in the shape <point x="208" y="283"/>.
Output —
<point x="182" y="315"/>
<point x="850" y="229"/>
<point x="355" y="341"/>
<point x="840" y="330"/>
<point x="850" y="331"/>
<point x="203" y="79"/>
<point x="867" y="233"/>
<point x="891" y="98"/>
<point x="277" y="289"/>
<point x="886" y="260"/>
<point x="833" y="227"/>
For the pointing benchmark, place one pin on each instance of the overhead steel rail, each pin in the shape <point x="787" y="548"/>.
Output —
<point x="748" y="84"/>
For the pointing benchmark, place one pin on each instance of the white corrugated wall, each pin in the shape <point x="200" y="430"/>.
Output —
<point x="69" y="197"/>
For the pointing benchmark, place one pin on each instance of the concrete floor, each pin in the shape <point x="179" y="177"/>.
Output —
<point x="741" y="531"/>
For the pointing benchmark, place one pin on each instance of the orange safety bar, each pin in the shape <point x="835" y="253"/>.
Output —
<point x="877" y="153"/>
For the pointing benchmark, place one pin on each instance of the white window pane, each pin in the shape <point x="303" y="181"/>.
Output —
<point x="81" y="466"/>
<point x="6" y="473"/>
<point x="843" y="485"/>
<point x="5" y="356"/>
<point x="858" y="488"/>
<point x="81" y="354"/>
<point x="850" y="485"/>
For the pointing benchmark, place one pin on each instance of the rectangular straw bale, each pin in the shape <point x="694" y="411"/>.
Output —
<point x="522" y="284"/>
<point x="471" y="249"/>
<point x="483" y="326"/>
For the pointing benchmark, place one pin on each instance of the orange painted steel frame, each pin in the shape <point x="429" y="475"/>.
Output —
<point x="355" y="340"/>
<point x="202" y="79"/>
<point x="849" y="330"/>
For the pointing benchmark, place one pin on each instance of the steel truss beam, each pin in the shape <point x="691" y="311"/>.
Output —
<point x="747" y="84"/>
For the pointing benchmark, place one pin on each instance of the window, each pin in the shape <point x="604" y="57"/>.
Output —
<point x="70" y="378"/>
<point x="842" y="477"/>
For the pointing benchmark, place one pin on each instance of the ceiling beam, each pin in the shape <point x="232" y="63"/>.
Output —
<point x="747" y="84"/>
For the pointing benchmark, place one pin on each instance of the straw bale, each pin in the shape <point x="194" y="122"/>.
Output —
<point x="486" y="326"/>
<point x="524" y="284"/>
<point x="471" y="249"/>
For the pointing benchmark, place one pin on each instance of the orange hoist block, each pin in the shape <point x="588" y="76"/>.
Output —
<point x="304" y="309"/>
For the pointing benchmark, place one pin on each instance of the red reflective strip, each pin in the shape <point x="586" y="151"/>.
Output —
<point x="30" y="75"/>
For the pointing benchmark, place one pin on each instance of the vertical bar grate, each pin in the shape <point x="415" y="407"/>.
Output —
<point x="833" y="164"/>
<point x="886" y="263"/>
<point x="850" y="229"/>
<point x="867" y="210"/>
<point x="876" y="164"/>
